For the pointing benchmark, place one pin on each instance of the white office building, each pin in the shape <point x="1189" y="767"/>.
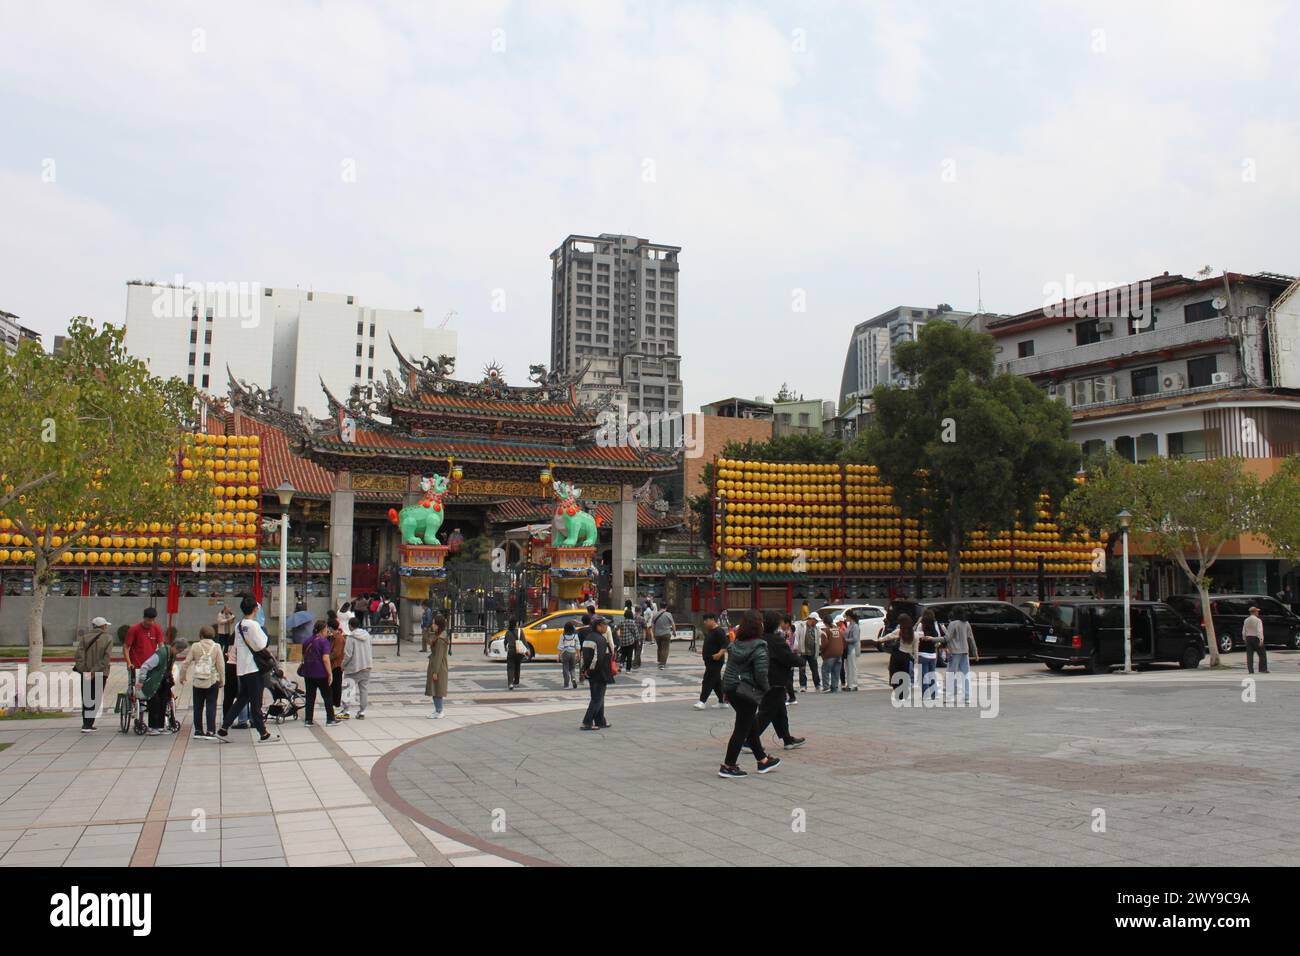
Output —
<point x="289" y="339"/>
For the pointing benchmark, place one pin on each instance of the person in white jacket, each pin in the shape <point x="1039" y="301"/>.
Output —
<point x="358" y="656"/>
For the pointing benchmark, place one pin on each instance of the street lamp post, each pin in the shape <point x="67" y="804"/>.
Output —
<point x="285" y="493"/>
<point x="1124" y="519"/>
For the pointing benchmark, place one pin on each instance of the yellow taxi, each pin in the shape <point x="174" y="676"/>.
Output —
<point x="544" y="633"/>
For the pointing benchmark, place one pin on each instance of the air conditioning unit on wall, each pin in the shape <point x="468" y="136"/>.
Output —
<point x="1220" y="378"/>
<point x="1172" y="382"/>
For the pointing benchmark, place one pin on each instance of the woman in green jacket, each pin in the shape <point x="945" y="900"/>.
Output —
<point x="744" y="681"/>
<point x="435" y="683"/>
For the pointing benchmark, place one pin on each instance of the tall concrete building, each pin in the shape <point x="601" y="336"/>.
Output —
<point x="12" y="332"/>
<point x="289" y="339"/>
<point x="614" y="305"/>
<point x="871" y="348"/>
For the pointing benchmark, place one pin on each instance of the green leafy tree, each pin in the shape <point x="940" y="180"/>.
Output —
<point x="90" y="440"/>
<point x="1280" y="509"/>
<point x="1182" y="509"/>
<point x="965" y="449"/>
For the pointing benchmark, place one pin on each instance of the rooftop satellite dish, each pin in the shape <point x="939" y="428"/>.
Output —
<point x="1219" y="303"/>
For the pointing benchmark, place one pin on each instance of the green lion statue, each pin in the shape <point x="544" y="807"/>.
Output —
<point x="578" y="524"/>
<point x="420" y="522"/>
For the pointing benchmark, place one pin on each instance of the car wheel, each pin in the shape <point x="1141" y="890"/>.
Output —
<point x="1294" y="643"/>
<point x="1054" y="665"/>
<point x="1094" y="664"/>
<point x="1191" y="658"/>
<point x="1225" y="643"/>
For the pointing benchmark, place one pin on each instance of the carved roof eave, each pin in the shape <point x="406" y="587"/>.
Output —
<point x="263" y="405"/>
<point x="432" y="376"/>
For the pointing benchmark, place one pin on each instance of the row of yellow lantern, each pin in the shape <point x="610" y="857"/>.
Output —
<point x="131" y="558"/>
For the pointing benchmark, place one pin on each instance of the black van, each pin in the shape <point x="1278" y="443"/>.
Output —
<point x="1091" y="633"/>
<point x="1229" y="612"/>
<point x="1001" y="629"/>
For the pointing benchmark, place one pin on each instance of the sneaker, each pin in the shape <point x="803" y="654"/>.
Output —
<point x="154" y="731"/>
<point x="772" y="764"/>
<point x="361" y="716"/>
<point x="309" y="723"/>
<point x="794" y="743"/>
<point x="223" y="732"/>
<point x="332" y="723"/>
<point x="700" y="705"/>
<point x="663" y="667"/>
<point x="586" y="727"/>
<point x="792" y="702"/>
<point x="268" y="737"/>
<point x="604" y="726"/>
<point x="731" y="773"/>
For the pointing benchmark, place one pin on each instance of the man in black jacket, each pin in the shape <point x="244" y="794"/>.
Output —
<point x="715" y="656"/>
<point x="781" y="662"/>
<point x="595" y="668"/>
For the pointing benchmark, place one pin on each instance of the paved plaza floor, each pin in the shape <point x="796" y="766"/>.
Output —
<point x="1163" y="767"/>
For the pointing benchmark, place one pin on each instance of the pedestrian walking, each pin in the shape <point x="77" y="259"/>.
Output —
<point x="626" y="638"/>
<point x="902" y="656"/>
<point x="664" y="628"/>
<point x="338" y="646"/>
<point x="230" y="680"/>
<point x="435" y="682"/>
<point x="1252" y="632"/>
<point x="516" y="651"/>
<point x="358" y="658"/>
<point x="781" y="662"/>
<point x="809" y="640"/>
<point x="249" y="639"/>
<point x="788" y="632"/>
<point x="929" y="635"/>
<point x="570" y="649"/>
<point x="852" y="649"/>
<point x="205" y="671"/>
<point x="959" y="642"/>
<point x="598" y="673"/>
<point x="745" y="682"/>
<point x="154" y="683"/>
<point x="831" y="647"/>
<point x="94" y="649"/>
<point x="714" y="653"/>
<point x="318" y="669"/>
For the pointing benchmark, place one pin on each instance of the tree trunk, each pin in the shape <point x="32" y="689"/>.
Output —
<point x="36" y="620"/>
<point x="1210" y="637"/>
<point x="954" y="564"/>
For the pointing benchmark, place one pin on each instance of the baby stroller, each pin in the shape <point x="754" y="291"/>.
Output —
<point x="287" y="698"/>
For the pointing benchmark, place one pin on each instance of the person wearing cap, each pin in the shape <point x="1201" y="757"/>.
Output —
<point x="596" y="659"/>
<point x="1252" y="632"/>
<point x="93" y="650"/>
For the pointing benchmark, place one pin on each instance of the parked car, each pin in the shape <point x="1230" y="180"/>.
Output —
<point x="871" y="620"/>
<point x="1229" y="612"/>
<point x="1001" y="629"/>
<point x="1091" y="633"/>
<point x="544" y="632"/>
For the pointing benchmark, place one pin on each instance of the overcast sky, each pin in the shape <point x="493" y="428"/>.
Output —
<point x="851" y="155"/>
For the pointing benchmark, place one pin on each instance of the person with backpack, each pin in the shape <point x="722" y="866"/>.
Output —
<point x="569" y="650"/>
<point x="597" y="669"/>
<point x="154" y="683"/>
<point x="358" y="657"/>
<point x="250" y="641"/>
<point x="317" y="668"/>
<point x="205" y="670"/>
<point x="832" y="652"/>
<point x="744" y="681"/>
<point x="808" y="637"/>
<point x="94" y="649"/>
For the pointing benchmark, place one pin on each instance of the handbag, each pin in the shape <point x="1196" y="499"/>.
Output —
<point x="264" y="659"/>
<point x="520" y="647"/>
<point x="747" y="692"/>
